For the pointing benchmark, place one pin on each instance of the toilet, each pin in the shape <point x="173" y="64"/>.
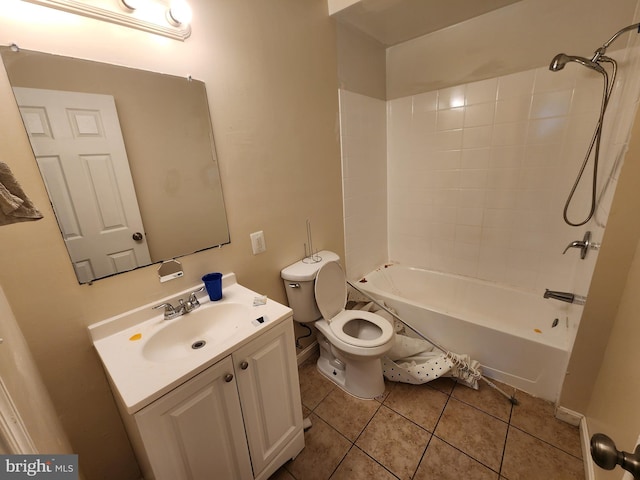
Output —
<point x="352" y="342"/>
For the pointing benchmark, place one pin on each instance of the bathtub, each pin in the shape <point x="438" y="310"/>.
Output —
<point x="518" y="337"/>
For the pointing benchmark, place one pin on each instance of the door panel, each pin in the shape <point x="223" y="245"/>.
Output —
<point x="80" y="151"/>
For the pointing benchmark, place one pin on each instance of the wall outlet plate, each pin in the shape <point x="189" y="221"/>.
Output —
<point x="258" y="244"/>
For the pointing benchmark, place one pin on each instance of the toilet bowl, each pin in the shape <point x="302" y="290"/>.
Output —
<point x="352" y="342"/>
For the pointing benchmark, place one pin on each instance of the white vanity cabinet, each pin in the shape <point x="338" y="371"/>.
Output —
<point x="239" y="419"/>
<point x="267" y="375"/>
<point x="196" y="431"/>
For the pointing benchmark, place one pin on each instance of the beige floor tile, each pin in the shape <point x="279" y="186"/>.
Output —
<point x="282" y="474"/>
<point x="324" y="450"/>
<point x="537" y="417"/>
<point x="528" y="458"/>
<point x="476" y="433"/>
<point x="388" y="388"/>
<point x="313" y="386"/>
<point x="443" y="462"/>
<point x="346" y="413"/>
<point x="419" y="403"/>
<point x="394" y="441"/>
<point x="486" y="398"/>
<point x="357" y="465"/>
<point x="444" y="384"/>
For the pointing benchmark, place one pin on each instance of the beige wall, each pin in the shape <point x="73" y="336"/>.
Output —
<point x="525" y="35"/>
<point x="361" y="63"/>
<point x="600" y="382"/>
<point x="613" y="407"/>
<point x="25" y="386"/>
<point x="609" y="278"/>
<point x="270" y="71"/>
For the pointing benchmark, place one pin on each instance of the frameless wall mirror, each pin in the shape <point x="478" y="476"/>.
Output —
<point x="127" y="157"/>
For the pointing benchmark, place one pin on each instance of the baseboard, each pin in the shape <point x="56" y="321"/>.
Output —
<point x="569" y="416"/>
<point x="577" y="419"/>
<point x="307" y="352"/>
<point x="585" y="440"/>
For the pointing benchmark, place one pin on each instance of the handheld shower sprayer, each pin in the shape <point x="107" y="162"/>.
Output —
<point x="560" y="60"/>
<point x="558" y="63"/>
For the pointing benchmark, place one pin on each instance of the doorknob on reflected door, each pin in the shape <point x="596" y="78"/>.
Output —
<point x="137" y="236"/>
<point x="605" y="454"/>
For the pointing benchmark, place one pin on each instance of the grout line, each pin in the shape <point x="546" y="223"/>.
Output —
<point x="375" y="460"/>
<point x="449" y="395"/>
<point x="547" y="442"/>
<point x="435" y="426"/>
<point x="506" y="437"/>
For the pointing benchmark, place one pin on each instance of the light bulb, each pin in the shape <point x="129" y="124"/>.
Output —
<point x="130" y="5"/>
<point x="179" y="13"/>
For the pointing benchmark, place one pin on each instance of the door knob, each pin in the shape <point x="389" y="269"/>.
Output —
<point x="228" y="377"/>
<point x="605" y="454"/>
<point x="244" y="365"/>
<point x="137" y="236"/>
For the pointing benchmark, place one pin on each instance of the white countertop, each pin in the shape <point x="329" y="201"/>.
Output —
<point x="139" y="381"/>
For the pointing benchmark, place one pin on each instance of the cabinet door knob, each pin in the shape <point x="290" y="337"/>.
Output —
<point x="244" y="365"/>
<point x="228" y="377"/>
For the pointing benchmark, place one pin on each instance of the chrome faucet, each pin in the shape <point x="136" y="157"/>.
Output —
<point x="565" y="297"/>
<point x="171" y="312"/>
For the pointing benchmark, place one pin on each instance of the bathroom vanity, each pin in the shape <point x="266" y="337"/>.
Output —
<point x="213" y="393"/>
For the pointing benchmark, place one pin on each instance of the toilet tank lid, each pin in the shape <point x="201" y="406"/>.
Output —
<point x="304" y="270"/>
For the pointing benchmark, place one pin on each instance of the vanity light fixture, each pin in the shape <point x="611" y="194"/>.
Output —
<point x="155" y="16"/>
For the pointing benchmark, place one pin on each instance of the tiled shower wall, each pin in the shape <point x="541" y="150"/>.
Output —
<point x="478" y="174"/>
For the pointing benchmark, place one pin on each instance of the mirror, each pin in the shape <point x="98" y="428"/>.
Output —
<point x="169" y="270"/>
<point x="127" y="157"/>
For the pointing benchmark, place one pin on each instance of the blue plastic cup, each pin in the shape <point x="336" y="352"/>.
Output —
<point x="213" y="284"/>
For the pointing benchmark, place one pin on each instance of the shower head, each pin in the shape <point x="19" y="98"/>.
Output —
<point x="560" y="60"/>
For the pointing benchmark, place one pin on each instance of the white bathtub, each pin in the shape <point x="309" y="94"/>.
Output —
<point x="509" y="331"/>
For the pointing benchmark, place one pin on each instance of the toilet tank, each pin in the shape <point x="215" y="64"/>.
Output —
<point x="299" y="282"/>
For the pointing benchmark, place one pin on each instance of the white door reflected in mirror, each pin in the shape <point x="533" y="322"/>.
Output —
<point x="78" y="144"/>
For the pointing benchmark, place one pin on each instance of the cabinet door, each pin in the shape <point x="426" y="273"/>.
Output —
<point x="196" y="431"/>
<point x="269" y="393"/>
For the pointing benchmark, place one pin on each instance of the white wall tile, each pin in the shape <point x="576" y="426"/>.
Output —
<point x="450" y="118"/>
<point x="477" y="137"/>
<point x="482" y="92"/>
<point x="516" y="85"/>
<point x="477" y="175"/>
<point x="551" y="104"/>
<point x="513" y="109"/>
<point x="479" y="114"/>
<point x="424" y="102"/>
<point x="451" y="97"/>
<point x="475" y="158"/>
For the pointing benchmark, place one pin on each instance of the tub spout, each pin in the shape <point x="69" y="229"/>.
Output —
<point x="565" y="296"/>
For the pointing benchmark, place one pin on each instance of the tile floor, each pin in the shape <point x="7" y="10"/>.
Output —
<point x="441" y="431"/>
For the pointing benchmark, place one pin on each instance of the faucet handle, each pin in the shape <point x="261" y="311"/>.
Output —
<point x="582" y="245"/>
<point x="193" y="298"/>
<point x="169" y="311"/>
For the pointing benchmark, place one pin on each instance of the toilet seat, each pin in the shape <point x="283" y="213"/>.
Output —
<point x="331" y="297"/>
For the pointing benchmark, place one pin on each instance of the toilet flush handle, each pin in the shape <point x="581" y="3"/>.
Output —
<point x="294" y="285"/>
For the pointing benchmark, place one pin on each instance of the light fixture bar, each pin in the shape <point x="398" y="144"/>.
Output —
<point x="177" y="32"/>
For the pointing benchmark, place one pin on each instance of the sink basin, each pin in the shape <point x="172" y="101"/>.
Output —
<point x="195" y="332"/>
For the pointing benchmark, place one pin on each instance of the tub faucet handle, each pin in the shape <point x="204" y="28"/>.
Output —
<point x="584" y="245"/>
